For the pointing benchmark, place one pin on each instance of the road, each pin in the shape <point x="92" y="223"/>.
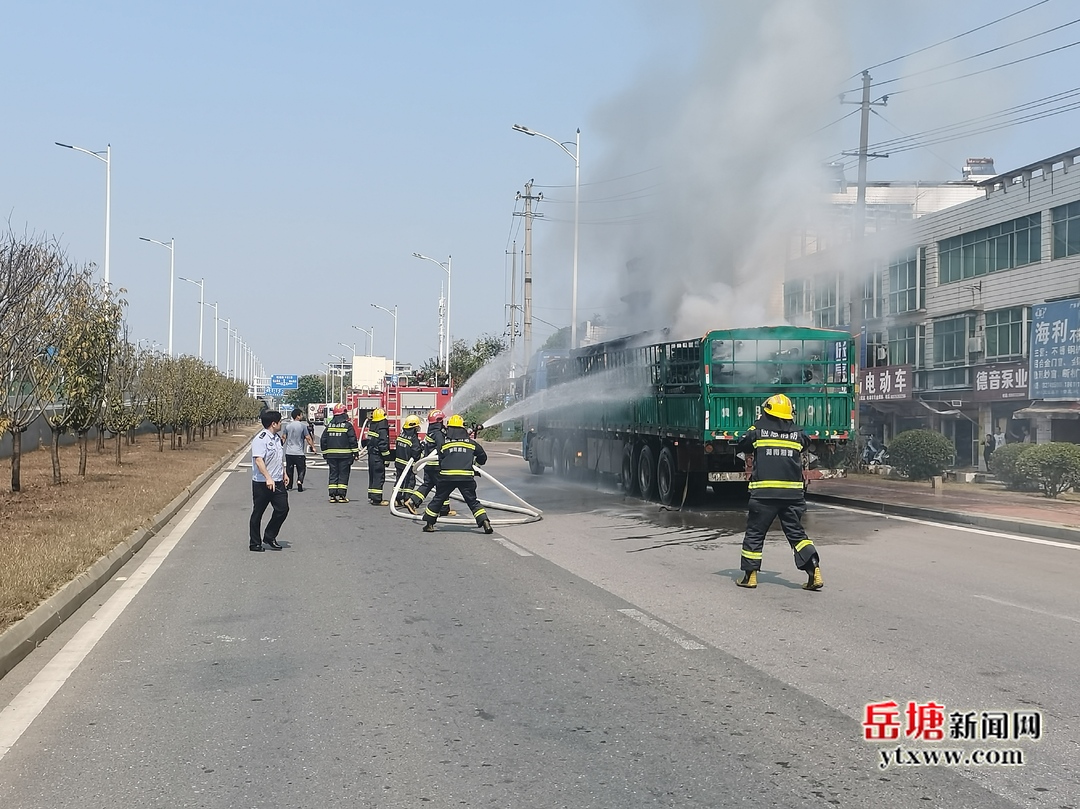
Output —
<point x="599" y="658"/>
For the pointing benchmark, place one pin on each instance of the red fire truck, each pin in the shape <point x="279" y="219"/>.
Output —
<point x="399" y="402"/>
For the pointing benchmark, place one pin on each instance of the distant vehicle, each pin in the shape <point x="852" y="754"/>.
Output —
<point x="316" y="413"/>
<point x="399" y="402"/>
<point x="686" y="404"/>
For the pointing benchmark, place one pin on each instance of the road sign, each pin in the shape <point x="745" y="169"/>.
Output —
<point x="275" y="391"/>
<point x="287" y="381"/>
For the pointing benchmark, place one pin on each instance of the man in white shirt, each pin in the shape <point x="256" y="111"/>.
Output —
<point x="268" y="482"/>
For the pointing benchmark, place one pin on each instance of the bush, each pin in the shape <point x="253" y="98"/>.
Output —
<point x="1003" y="465"/>
<point x="1054" y="467"/>
<point x="920" y="454"/>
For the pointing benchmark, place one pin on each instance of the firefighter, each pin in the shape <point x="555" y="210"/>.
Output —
<point x="378" y="454"/>
<point x="407" y="448"/>
<point x="432" y="442"/>
<point x="339" y="449"/>
<point x="774" y="446"/>
<point x="456" y="459"/>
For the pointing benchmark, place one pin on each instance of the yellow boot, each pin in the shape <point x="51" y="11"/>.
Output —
<point x="748" y="580"/>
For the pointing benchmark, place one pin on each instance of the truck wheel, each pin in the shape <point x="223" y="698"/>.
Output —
<point x="647" y="472"/>
<point x="669" y="483"/>
<point x="629" y="471"/>
<point x="535" y="466"/>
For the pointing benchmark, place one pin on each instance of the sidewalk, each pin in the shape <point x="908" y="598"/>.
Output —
<point x="986" y="505"/>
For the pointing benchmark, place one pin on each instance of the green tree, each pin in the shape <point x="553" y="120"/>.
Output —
<point x="560" y="339"/>
<point x="1053" y="467"/>
<point x="466" y="360"/>
<point x="921" y="454"/>
<point x="311" y="389"/>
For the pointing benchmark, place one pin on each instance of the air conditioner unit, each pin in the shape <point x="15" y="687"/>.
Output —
<point x="975" y="344"/>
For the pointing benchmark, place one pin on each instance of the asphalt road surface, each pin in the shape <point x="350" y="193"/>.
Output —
<point x="602" y="657"/>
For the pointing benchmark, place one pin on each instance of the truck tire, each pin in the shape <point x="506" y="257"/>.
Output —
<point x="629" y="471"/>
<point x="535" y="466"/>
<point x="669" y="483"/>
<point x="646" y="472"/>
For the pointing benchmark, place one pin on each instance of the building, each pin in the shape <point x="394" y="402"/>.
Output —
<point x="971" y="313"/>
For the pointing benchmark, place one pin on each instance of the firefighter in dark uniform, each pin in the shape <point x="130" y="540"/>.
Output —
<point x="774" y="446"/>
<point x="339" y="449"/>
<point x="432" y="442"/>
<point x="456" y="459"/>
<point x="407" y="448"/>
<point x="378" y="454"/>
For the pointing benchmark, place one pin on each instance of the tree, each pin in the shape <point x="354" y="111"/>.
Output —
<point x="560" y="339"/>
<point x="921" y="454"/>
<point x="1053" y="467"/>
<point x="311" y="389"/>
<point x="466" y="360"/>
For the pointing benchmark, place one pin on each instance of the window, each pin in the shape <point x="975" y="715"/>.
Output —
<point x="950" y="340"/>
<point x="794" y="300"/>
<point x="877" y="349"/>
<point x="1000" y="247"/>
<point x="1066" y="221"/>
<point x="1005" y="330"/>
<point x="872" y="300"/>
<point x="825" y="301"/>
<point x="905" y="345"/>
<point x="907" y="279"/>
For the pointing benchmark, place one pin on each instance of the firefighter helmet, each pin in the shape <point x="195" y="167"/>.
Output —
<point x="410" y="422"/>
<point x="780" y="407"/>
<point x="339" y="409"/>
<point x="455" y="421"/>
<point x="436" y="416"/>
<point x="378" y="414"/>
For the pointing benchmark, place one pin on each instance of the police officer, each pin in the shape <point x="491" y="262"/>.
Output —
<point x="377" y="442"/>
<point x="339" y="448"/>
<point x="456" y="459"/>
<point x="406" y="449"/>
<point x="774" y="446"/>
<point x="433" y="441"/>
<point x="268" y="483"/>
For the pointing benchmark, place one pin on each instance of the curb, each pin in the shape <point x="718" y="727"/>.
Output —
<point x="26" y="634"/>
<point x="1004" y="524"/>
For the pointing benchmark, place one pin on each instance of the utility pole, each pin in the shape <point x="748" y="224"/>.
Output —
<point x="527" y="283"/>
<point x="513" y="309"/>
<point x="857" y="326"/>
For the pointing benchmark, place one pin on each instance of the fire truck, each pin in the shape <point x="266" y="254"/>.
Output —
<point x="399" y="402"/>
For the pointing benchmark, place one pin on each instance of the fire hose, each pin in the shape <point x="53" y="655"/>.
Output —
<point x="529" y="513"/>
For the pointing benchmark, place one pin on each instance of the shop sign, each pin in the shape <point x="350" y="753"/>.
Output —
<point x="997" y="383"/>
<point x="1055" y="350"/>
<point x="886" y="383"/>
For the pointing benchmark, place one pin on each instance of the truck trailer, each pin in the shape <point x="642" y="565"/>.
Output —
<point x="665" y="417"/>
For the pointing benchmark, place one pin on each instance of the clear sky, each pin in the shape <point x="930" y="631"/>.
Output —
<point x="299" y="153"/>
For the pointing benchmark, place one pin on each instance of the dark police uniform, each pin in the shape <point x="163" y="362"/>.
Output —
<point x="407" y="448"/>
<point x="432" y="442"/>
<point x="456" y="459"/>
<point x="776" y="489"/>
<point x="377" y="442"/>
<point x="339" y="448"/>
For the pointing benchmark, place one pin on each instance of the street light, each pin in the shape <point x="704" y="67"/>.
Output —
<point x="228" y="344"/>
<point x="446" y="265"/>
<point x="394" y="313"/>
<point x="341" y="375"/>
<point x="371" y="338"/>
<point x="352" y="356"/>
<point x="172" y="260"/>
<point x="576" y="157"/>
<point x="201" y="284"/>
<point x="107" y="160"/>
<point x="216" y="321"/>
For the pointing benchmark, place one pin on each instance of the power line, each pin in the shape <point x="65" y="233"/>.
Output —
<point x="952" y="38"/>
<point x="601" y="182"/>
<point x="902" y="132"/>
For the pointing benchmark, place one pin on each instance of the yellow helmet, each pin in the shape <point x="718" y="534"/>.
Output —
<point x="410" y="422"/>
<point x="780" y="407"/>
<point x="378" y="414"/>
<point x="455" y="421"/>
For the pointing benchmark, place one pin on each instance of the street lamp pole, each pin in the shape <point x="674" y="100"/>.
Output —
<point x="216" y="329"/>
<point x="371" y="338"/>
<point x="107" y="160"/>
<point x="228" y="344"/>
<point x="201" y="284"/>
<point x="576" y="157"/>
<point x="352" y="359"/>
<point x="341" y="376"/>
<point x="172" y="266"/>
<point x="446" y="265"/>
<point x="394" y="313"/>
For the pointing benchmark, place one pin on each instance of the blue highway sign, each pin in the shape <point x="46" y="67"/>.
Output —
<point x="276" y="392"/>
<point x="287" y="381"/>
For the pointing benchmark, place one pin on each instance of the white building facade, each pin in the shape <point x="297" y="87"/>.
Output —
<point x="961" y="308"/>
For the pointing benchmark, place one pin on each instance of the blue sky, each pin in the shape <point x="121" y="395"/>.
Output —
<point x="300" y="153"/>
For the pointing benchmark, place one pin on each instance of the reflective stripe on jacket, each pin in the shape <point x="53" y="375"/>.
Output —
<point x="378" y="438"/>
<point x="458" y="454"/>
<point x="407" y="447"/>
<point x="339" y="437"/>
<point x="776" y="446"/>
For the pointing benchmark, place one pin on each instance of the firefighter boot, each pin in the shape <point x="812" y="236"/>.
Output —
<point x="411" y="506"/>
<point x="429" y="527"/>
<point x="813" y="579"/>
<point x="486" y="525"/>
<point x="748" y="580"/>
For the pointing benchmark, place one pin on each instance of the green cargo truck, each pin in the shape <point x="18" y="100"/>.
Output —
<point x="665" y="417"/>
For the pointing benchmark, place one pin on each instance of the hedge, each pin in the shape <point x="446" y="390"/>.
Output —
<point x="921" y="454"/>
<point x="1054" y="467"/>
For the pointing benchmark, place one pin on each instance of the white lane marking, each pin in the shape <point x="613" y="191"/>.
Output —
<point x="662" y="629"/>
<point x="24" y="709"/>
<point x="1030" y="609"/>
<point x="1072" y="546"/>
<point x="507" y="543"/>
